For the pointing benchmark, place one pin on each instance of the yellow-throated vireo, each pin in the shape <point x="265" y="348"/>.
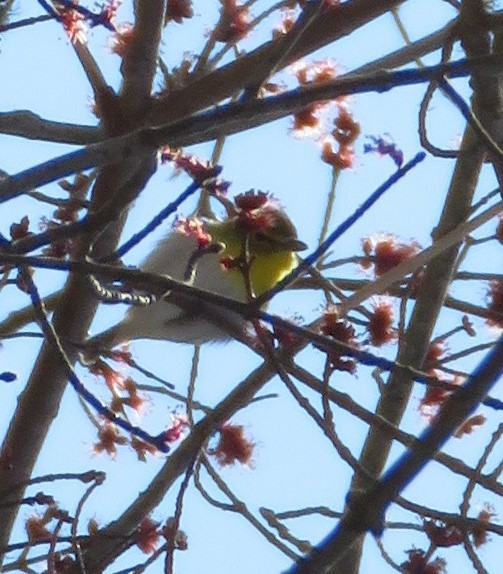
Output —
<point x="257" y="230"/>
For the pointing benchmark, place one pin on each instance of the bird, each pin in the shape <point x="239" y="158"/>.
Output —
<point x="241" y="256"/>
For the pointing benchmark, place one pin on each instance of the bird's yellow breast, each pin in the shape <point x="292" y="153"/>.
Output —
<point x="269" y="269"/>
<point x="266" y="269"/>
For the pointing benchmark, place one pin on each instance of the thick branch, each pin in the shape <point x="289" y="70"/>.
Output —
<point x="229" y="119"/>
<point x="26" y="124"/>
<point x="366" y="511"/>
<point x="105" y="547"/>
<point x="250" y="69"/>
<point x="39" y="403"/>
<point x="415" y="344"/>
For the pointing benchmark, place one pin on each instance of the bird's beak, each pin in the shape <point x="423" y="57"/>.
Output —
<point x="292" y="244"/>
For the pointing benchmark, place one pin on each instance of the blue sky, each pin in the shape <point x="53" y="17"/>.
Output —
<point x="294" y="466"/>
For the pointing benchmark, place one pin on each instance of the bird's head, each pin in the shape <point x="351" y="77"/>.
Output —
<point x="258" y="239"/>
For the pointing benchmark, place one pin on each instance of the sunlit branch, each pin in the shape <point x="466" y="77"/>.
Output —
<point x="366" y="511"/>
<point x="441" y="244"/>
<point x="225" y="120"/>
<point x="344" y="401"/>
<point x="186" y="293"/>
<point x="344" y="226"/>
<point x="52" y="339"/>
<point x="28" y="125"/>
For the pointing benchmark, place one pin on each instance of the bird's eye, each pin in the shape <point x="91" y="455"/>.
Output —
<point x="259" y="236"/>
